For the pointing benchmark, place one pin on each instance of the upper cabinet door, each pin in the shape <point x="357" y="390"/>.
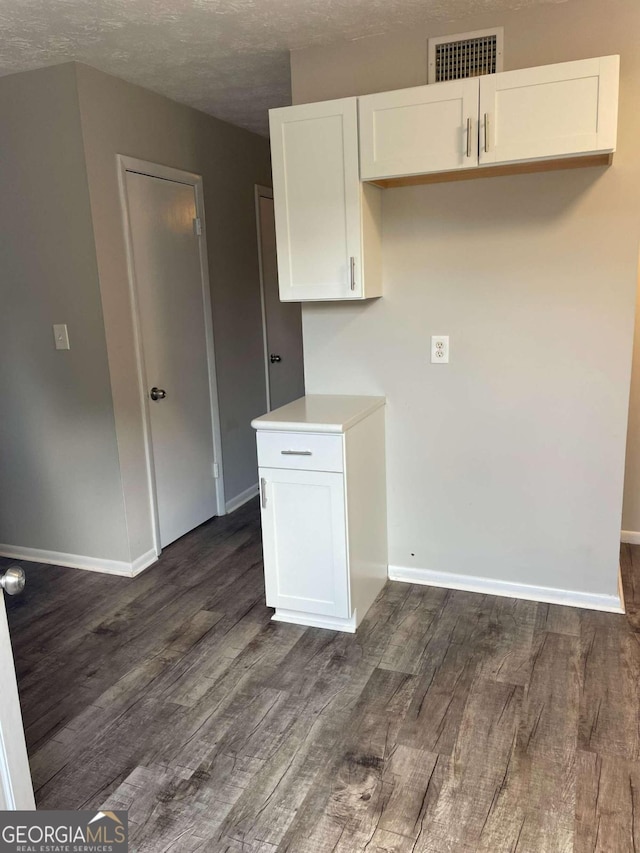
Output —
<point x="564" y="110"/>
<point x="317" y="200"/>
<point x="420" y="130"/>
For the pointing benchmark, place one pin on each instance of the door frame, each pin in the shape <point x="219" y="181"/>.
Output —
<point x="16" y="786"/>
<point x="155" y="170"/>
<point x="263" y="192"/>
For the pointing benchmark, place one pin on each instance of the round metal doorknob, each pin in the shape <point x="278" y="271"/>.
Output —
<point x="274" y="358"/>
<point x="13" y="580"/>
<point x="157" y="393"/>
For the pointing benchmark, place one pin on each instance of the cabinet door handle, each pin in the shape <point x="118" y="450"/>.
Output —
<point x="469" y="127"/>
<point x="486" y="133"/>
<point x="263" y="492"/>
<point x="352" y="272"/>
<point x="296" y="452"/>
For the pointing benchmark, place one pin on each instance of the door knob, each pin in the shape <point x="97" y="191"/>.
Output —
<point x="274" y="358"/>
<point x="157" y="393"/>
<point x="13" y="580"/>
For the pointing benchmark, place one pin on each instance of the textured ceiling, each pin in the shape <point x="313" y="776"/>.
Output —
<point x="226" y="57"/>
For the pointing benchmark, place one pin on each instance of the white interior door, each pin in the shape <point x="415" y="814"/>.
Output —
<point x="16" y="790"/>
<point x="282" y="321"/>
<point x="169" y="287"/>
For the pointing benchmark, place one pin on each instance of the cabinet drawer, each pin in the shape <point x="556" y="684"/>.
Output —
<point x="300" y="451"/>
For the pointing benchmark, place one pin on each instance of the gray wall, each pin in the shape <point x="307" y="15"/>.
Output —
<point x="60" y="486"/>
<point x="119" y="118"/>
<point x="508" y="463"/>
<point x="72" y="463"/>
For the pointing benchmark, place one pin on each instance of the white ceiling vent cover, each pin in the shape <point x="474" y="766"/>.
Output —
<point x="456" y="57"/>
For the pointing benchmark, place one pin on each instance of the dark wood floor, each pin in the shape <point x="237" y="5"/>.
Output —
<point x="451" y="723"/>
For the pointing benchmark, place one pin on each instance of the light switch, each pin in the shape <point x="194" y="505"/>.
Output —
<point x="61" y="336"/>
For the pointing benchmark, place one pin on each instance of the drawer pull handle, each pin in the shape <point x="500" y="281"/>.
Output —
<point x="263" y="492"/>
<point x="296" y="452"/>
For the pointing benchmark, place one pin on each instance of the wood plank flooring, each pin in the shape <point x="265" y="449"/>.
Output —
<point x="451" y="723"/>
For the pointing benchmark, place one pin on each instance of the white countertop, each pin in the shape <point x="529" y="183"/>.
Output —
<point x="319" y="413"/>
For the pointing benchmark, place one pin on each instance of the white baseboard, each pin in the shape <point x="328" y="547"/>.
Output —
<point x="630" y="537"/>
<point x="313" y="620"/>
<point x="242" y="498"/>
<point x="143" y="562"/>
<point x="492" y="586"/>
<point x="76" y="561"/>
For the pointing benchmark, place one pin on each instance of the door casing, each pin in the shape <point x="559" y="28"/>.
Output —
<point x="263" y="192"/>
<point x="16" y="789"/>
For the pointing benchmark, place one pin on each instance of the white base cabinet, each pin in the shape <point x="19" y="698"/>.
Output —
<point x="323" y="508"/>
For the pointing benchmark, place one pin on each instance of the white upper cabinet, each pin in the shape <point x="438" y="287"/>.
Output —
<point x="552" y="112"/>
<point x="327" y="222"/>
<point x="423" y="129"/>
<point x="328" y="217"/>
<point x="564" y="110"/>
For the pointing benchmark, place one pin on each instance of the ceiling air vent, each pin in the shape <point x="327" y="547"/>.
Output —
<point x="465" y="55"/>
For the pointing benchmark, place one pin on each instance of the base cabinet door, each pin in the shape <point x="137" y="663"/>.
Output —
<point x="305" y="541"/>
<point x="562" y="110"/>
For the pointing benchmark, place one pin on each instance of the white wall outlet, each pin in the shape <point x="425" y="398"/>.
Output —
<point x="61" y="336"/>
<point x="439" y="349"/>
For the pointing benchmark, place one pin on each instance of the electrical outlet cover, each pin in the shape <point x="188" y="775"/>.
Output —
<point x="440" y="349"/>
